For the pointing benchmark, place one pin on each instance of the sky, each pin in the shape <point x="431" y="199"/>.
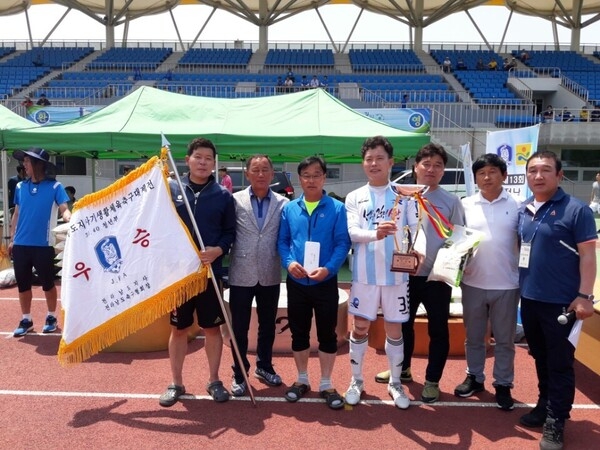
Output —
<point x="302" y="27"/>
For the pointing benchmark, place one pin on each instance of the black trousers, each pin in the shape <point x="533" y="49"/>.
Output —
<point x="435" y="296"/>
<point x="240" y="305"/>
<point x="554" y="355"/>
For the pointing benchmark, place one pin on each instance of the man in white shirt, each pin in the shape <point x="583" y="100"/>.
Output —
<point x="490" y="284"/>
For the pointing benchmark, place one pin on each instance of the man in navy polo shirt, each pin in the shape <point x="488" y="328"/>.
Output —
<point x="557" y="270"/>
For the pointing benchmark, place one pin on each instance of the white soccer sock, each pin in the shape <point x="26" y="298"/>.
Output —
<point x="27" y="316"/>
<point x="52" y="313"/>
<point x="395" y="354"/>
<point x="357" y="355"/>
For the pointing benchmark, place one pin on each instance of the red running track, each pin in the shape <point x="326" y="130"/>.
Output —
<point x="111" y="402"/>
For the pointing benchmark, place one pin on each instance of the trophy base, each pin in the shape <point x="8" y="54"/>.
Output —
<point x="405" y="262"/>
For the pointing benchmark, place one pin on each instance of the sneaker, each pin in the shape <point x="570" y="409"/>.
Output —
<point x="272" y="379"/>
<point x="354" y="392"/>
<point x="25" y="326"/>
<point x="50" y="326"/>
<point x="238" y="389"/>
<point x="468" y="387"/>
<point x="552" y="437"/>
<point x="536" y="417"/>
<point x="504" y="400"/>
<point x="396" y="391"/>
<point x="431" y="392"/>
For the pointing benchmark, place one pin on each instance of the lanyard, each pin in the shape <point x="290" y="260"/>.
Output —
<point x="536" y="228"/>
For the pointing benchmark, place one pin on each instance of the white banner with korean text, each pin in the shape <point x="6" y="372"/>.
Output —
<point x="515" y="146"/>
<point x="128" y="260"/>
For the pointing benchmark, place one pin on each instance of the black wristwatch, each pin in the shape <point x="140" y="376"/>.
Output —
<point x="589" y="297"/>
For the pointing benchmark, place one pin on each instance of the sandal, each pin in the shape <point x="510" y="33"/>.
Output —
<point x="333" y="399"/>
<point x="217" y="391"/>
<point x="171" y="395"/>
<point x="296" y="392"/>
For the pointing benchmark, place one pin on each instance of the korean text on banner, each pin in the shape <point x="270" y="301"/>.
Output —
<point x="515" y="146"/>
<point x="128" y="260"/>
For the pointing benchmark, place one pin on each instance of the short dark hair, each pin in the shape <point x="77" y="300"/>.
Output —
<point x="258" y="156"/>
<point x="377" y="141"/>
<point x="309" y="161"/>
<point x="201" y="143"/>
<point x="489" y="159"/>
<point x="70" y="189"/>
<point x="20" y="168"/>
<point x="432" y="149"/>
<point x="223" y="169"/>
<point x="546" y="154"/>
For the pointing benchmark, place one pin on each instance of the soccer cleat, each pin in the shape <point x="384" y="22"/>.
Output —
<point x="50" y="325"/>
<point x="354" y="392"/>
<point x="396" y="391"/>
<point x="468" y="387"/>
<point x="25" y="326"/>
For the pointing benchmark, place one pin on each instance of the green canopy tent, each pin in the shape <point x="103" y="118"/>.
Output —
<point x="286" y="127"/>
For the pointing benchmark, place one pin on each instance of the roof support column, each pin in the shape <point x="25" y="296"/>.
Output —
<point x="576" y="27"/>
<point x="418" y="37"/>
<point x="263" y="29"/>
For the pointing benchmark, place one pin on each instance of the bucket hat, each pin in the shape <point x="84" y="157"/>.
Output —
<point x="36" y="153"/>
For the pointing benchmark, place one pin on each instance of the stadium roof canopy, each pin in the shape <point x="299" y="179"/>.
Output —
<point x="417" y="14"/>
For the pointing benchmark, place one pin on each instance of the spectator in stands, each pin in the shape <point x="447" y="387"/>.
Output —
<point x="43" y="101"/>
<point x="27" y="103"/>
<point x="38" y="61"/>
<point x="324" y="82"/>
<point x="584" y="114"/>
<point x="524" y="55"/>
<point x="460" y="64"/>
<point x="509" y="64"/>
<point x="304" y="83"/>
<point x="289" y="84"/>
<point x="493" y="64"/>
<point x="279" y="85"/>
<point x="168" y="75"/>
<point x="404" y="101"/>
<point x="566" y="115"/>
<point x="480" y="65"/>
<point x="315" y="83"/>
<point x="447" y="65"/>
<point x="127" y="169"/>
<point x="290" y="75"/>
<point x="548" y="115"/>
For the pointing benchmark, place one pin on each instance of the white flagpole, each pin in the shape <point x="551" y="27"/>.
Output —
<point x="234" y="344"/>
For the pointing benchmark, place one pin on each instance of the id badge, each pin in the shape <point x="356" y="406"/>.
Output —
<point x="524" y="255"/>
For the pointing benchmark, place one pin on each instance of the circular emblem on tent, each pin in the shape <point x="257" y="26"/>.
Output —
<point x="41" y="117"/>
<point x="416" y="120"/>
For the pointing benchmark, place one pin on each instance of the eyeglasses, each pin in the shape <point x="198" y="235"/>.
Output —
<point x="311" y="177"/>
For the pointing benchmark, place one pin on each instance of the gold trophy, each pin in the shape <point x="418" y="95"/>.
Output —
<point x="404" y="258"/>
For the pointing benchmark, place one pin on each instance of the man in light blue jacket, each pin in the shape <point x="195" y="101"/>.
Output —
<point x="313" y="244"/>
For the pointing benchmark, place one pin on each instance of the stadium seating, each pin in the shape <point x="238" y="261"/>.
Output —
<point x="298" y="57"/>
<point x="469" y="57"/>
<point x="131" y="58"/>
<point x="216" y="57"/>
<point x="384" y="60"/>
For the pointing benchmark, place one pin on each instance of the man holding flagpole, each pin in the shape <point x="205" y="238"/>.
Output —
<point x="213" y="212"/>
